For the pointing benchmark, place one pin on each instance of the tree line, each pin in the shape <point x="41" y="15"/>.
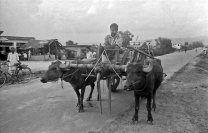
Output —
<point x="162" y="46"/>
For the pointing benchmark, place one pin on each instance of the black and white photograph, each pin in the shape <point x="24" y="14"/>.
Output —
<point x="103" y="66"/>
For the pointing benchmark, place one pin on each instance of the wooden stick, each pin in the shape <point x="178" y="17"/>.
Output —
<point x="88" y="75"/>
<point x="132" y="48"/>
<point x="106" y="66"/>
<point x="109" y="93"/>
<point x="99" y="91"/>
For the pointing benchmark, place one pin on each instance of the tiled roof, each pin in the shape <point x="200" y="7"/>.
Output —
<point x="77" y="46"/>
<point x="18" y="38"/>
<point x="40" y="43"/>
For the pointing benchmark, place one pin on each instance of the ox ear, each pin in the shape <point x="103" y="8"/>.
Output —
<point x="147" y="68"/>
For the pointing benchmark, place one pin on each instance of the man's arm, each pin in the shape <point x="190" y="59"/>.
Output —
<point x="106" y="41"/>
<point x="17" y="57"/>
<point x="119" y="41"/>
<point x="8" y="57"/>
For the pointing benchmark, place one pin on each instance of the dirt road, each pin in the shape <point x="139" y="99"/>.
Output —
<point x="46" y="108"/>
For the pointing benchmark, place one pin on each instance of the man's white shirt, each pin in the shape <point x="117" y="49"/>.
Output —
<point x="89" y="55"/>
<point x="13" y="58"/>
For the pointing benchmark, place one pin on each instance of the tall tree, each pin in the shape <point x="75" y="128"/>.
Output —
<point x="186" y="43"/>
<point x="70" y="42"/>
<point x="164" y="45"/>
<point x="127" y="37"/>
<point x="196" y="44"/>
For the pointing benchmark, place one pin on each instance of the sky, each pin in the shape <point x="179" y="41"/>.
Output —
<point x="88" y="21"/>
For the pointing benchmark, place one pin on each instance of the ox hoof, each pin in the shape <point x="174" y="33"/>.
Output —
<point x="154" y="107"/>
<point x="98" y="99"/>
<point x="81" y="109"/>
<point x="150" y="122"/>
<point x="88" y="99"/>
<point x="134" y="120"/>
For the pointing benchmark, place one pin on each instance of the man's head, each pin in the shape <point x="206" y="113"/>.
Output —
<point x="12" y="49"/>
<point x="113" y="29"/>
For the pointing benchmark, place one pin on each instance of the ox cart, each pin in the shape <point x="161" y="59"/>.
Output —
<point x="111" y="70"/>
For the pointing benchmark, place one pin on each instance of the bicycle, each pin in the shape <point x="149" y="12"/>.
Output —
<point x="22" y="73"/>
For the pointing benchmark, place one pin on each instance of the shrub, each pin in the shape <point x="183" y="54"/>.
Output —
<point x="163" y="46"/>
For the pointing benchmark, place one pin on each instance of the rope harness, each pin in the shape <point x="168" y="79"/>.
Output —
<point x="104" y="51"/>
<point x="64" y="76"/>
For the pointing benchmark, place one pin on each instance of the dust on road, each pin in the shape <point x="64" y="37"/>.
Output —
<point x="182" y="105"/>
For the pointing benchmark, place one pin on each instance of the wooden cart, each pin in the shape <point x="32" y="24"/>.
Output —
<point x="111" y="70"/>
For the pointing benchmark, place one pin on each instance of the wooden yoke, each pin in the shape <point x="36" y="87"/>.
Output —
<point x="106" y="66"/>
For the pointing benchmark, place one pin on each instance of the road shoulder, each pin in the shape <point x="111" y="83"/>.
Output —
<point x="182" y="104"/>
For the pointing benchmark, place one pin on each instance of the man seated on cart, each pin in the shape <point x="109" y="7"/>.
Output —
<point x="114" y="40"/>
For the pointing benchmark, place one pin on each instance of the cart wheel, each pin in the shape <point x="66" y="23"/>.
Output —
<point x="114" y="83"/>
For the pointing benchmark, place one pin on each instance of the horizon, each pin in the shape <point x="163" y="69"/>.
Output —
<point x="87" y="22"/>
<point x="91" y="43"/>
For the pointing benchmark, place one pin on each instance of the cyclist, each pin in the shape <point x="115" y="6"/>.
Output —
<point x="12" y="58"/>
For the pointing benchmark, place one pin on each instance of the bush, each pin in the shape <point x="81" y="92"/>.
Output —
<point x="196" y="44"/>
<point x="163" y="46"/>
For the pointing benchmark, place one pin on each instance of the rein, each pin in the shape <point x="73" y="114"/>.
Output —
<point x="64" y="76"/>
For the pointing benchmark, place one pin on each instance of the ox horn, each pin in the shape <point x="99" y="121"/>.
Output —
<point x="147" y="68"/>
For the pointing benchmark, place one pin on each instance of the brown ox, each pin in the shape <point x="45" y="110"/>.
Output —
<point x="74" y="77"/>
<point x="144" y="81"/>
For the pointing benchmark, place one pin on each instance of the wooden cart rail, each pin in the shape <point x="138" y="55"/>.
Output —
<point x="106" y="66"/>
